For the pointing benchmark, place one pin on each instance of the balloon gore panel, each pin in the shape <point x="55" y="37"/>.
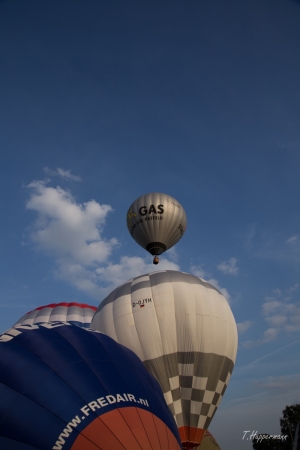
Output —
<point x="60" y="385"/>
<point x="78" y="314"/>
<point x="183" y="329"/>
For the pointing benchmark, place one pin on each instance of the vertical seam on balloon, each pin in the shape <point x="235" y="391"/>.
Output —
<point x="143" y="230"/>
<point x="145" y="429"/>
<point x="140" y="344"/>
<point x="169" y="443"/>
<point x="137" y="333"/>
<point x="170" y="233"/>
<point x="120" y="410"/>
<point x="210" y="364"/>
<point x="138" y="336"/>
<point x="153" y="379"/>
<point x="175" y="327"/>
<point x="150" y="223"/>
<point x="158" y="434"/>
<point x="112" y="312"/>
<point x="142" y="387"/>
<point x="113" y="362"/>
<point x="167" y="229"/>
<point x="134" y="322"/>
<point x="213" y="350"/>
<point x="96" y="445"/>
<point x="163" y="347"/>
<point x="71" y="388"/>
<point x="90" y="368"/>
<point x="173" y="235"/>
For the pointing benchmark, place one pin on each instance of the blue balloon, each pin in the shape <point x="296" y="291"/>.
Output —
<point x="63" y="387"/>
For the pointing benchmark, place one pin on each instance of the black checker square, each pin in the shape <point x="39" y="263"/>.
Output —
<point x="170" y="362"/>
<point x="213" y="414"/>
<point x="197" y="395"/>
<point x="186" y="357"/>
<point x="224" y="389"/>
<point x="226" y="369"/>
<point x="209" y="419"/>
<point x="179" y="419"/>
<point x="217" y="363"/>
<point x="204" y="409"/>
<point x="171" y="408"/>
<point x="185" y="381"/>
<point x="186" y="409"/>
<point x="202" y="364"/>
<point x="216" y="398"/>
<point x="176" y="395"/>
<point x="194" y="420"/>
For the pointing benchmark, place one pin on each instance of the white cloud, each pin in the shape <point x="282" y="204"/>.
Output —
<point x="73" y="234"/>
<point x="200" y="272"/>
<point x="277" y="292"/>
<point x="64" y="174"/>
<point x="130" y="267"/>
<point x="277" y="320"/>
<point x="293" y="288"/>
<point x="223" y="291"/>
<point x="270" y="334"/>
<point x="67" y="229"/>
<point x="270" y="306"/>
<point x="228" y="267"/>
<point x="244" y="326"/>
<point x="254" y="364"/>
<point x="292" y="240"/>
<point x="172" y="254"/>
<point x="282" y="316"/>
<point x="264" y="243"/>
<point x="281" y="382"/>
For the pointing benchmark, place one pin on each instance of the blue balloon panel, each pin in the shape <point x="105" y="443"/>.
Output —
<point x="63" y="387"/>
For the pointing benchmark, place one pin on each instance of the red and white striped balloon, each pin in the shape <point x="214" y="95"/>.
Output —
<point x="78" y="314"/>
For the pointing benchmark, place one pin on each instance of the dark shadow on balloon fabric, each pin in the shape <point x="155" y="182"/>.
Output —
<point x="64" y="387"/>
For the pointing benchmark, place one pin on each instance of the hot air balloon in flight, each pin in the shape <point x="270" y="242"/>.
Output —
<point x="183" y="329"/>
<point x="78" y="314"/>
<point x="156" y="222"/>
<point x="64" y="387"/>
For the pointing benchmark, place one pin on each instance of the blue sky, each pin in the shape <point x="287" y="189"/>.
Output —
<point x="102" y="102"/>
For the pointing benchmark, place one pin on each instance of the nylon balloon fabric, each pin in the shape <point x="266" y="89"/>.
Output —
<point x="156" y="222"/>
<point x="183" y="329"/>
<point x="64" y="387"/>
<point x="78" y="314"/>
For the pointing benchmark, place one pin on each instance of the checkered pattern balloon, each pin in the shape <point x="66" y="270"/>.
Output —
<point x="183" y="329"/>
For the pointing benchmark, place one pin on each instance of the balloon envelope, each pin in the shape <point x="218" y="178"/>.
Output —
<point x="183" y="329"/>
<point x="63" y="387"/>
<point x="78" y="314"/>
<point x="156" y="222"/>
<point x="208" y="442"/>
